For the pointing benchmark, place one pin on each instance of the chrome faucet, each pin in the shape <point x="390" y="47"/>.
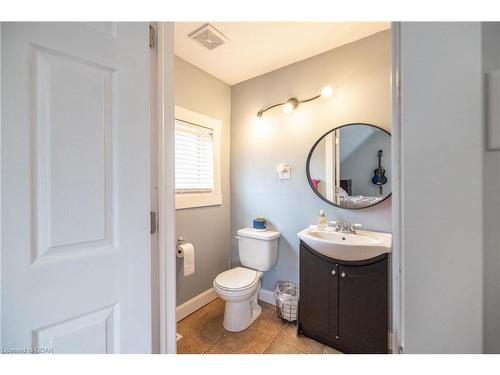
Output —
<point x="345" y="227"/>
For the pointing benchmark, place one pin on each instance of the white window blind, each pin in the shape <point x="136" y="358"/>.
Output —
<point x="194" y="158"/>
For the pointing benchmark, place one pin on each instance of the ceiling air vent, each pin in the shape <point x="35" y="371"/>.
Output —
<point x="208" y="36"/>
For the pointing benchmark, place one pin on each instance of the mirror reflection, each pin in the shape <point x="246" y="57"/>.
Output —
<point x="350" y="166"/>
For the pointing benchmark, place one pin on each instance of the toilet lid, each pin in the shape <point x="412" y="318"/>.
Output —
<point x="236" y="278"/>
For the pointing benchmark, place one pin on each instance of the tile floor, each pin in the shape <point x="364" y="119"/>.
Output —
<point x="202" y="332"/>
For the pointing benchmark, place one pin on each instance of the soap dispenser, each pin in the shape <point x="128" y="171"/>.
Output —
<point x="322" y="223"/>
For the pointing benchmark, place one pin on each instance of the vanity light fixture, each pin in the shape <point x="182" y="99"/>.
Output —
<point x="291" y="104"/>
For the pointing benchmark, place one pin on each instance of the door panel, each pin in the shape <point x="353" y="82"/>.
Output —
<point x="363" y="309"/>
<point x="96" y="332"/>
<point x="75" y="187"/>
<point x="73" y="142"/>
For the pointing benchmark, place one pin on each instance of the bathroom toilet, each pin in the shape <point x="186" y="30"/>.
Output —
<point x="239" y="287"/>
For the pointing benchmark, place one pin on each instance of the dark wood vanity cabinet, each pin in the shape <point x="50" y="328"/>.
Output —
<point x="344" y="304"/>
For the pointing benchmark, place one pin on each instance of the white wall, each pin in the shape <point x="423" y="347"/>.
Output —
<point x="208" y="228"/>
<point x="359" y="74"/>
<point x="441" y="187"/>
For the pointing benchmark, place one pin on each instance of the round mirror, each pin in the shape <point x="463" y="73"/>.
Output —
<point x="350" y="166"/>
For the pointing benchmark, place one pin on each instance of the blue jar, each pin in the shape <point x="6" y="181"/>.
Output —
<point x="259" y="223"/>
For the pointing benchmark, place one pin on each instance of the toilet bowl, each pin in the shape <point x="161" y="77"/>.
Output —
<point x="239" y="288"/>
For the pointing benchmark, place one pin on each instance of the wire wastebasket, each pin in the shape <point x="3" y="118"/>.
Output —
<point x="286" y="296"/>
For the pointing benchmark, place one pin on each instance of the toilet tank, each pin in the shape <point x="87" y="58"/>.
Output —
<point x="258" y="250"/>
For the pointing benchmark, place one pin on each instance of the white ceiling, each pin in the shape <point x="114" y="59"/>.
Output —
<point x="255" y="48"/>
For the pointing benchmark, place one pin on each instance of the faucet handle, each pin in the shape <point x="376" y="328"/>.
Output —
<point x="353" y="227"/>
<point x="336" y="223"/>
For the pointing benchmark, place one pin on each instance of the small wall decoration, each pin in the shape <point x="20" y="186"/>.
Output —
<point x="379" y="173"/>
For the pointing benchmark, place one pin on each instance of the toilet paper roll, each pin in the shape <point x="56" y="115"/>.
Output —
<point x="187" y="250"/>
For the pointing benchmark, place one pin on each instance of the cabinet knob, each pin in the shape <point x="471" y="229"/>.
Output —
<point x="342" y="274"/>
<point x="333" y="272"/>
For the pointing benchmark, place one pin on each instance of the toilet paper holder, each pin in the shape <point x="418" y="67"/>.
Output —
<point x="180" y="252"/>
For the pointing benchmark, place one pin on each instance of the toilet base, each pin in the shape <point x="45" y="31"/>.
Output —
<point x="239" y="315"/>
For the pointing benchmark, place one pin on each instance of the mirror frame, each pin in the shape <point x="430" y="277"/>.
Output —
<point x="311" y="153"/>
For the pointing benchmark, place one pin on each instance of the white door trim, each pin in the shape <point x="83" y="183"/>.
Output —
<point x="166" y="188"/>
<point x="397" y="316"/>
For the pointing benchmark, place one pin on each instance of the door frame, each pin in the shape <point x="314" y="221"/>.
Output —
<point x="166" y="188"/>
<point x="396" y="322"/>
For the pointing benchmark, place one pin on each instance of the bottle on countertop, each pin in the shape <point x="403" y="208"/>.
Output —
<point x="322" y="223"/>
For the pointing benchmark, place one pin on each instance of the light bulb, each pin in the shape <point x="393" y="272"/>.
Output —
<point x="288" y="108"/>
<point x="258" y="118"/>
<point x="326" y="92"/>
<point x="290" y="105"/>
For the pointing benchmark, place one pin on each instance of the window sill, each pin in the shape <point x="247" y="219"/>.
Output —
<point x="184" y="201"/>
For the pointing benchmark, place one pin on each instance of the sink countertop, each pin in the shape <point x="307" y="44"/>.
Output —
<point x="362" y="245"/>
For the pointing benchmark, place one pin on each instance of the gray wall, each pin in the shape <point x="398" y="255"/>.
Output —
<point x="491" y="61"/>
<point x="359" y="166"/>
<point x="441" y="186"/>
<point x="208" y="228"/>
<point x="359" y="74"/>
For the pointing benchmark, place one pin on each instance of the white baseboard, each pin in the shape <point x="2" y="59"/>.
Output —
<point x="267" y="295"/>
<point x="189" y="307"/>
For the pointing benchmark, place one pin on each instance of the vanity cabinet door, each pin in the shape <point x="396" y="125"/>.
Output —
<point x="318" y="296"/>
<point x="363" y="307"/>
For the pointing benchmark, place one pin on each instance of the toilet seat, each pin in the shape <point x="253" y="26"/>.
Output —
<point x="237" y="279"/>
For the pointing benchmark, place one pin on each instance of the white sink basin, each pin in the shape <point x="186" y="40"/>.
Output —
<point x="347" y="246"/>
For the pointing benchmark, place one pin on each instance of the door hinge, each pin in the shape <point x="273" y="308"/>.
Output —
<point x="153" y="221"/>
<point x="152" y="37"/>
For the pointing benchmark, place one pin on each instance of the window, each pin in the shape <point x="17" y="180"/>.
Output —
<point x="197" y="160"/>
<point x="194" y="158"/>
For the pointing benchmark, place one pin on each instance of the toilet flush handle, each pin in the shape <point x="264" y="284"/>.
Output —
<point x="237" y="237"/>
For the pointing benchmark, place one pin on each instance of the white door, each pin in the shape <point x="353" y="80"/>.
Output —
<point x="75" y="187"/>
